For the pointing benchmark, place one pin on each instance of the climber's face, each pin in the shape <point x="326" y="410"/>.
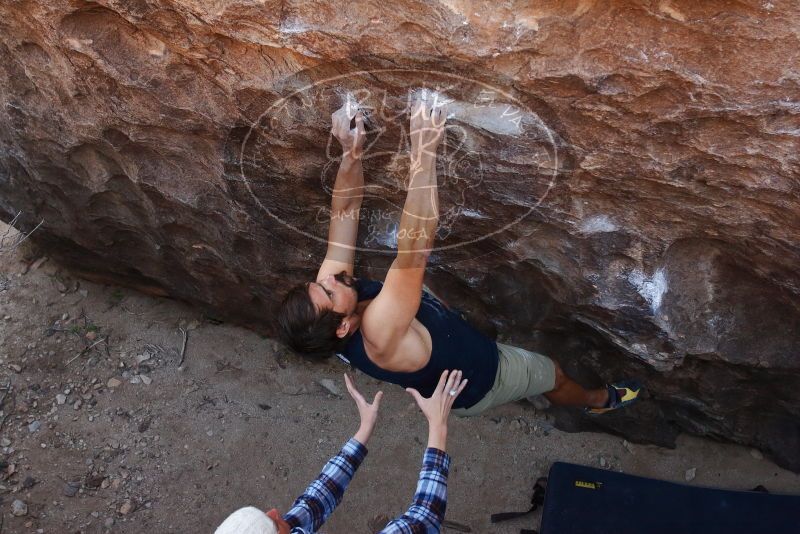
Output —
<point x="334" y="292"/>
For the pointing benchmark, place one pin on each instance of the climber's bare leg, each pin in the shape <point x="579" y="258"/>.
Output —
<point x="567" y="392"/>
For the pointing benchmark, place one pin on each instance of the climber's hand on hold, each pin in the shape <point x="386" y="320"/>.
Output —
<point x="348" y="192"/>
<point x="427" y="128"/>
<point x="351" y="139"/>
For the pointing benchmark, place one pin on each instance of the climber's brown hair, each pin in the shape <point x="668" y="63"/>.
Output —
<point x="305" y="330"/>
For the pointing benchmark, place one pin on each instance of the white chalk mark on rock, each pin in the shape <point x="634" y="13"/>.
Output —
<point x="473" y="214"/>
<point x="597" y="224"/>
<point x="651" y="289"/>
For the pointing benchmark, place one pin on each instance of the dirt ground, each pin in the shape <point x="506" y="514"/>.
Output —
<point x="104" y="431"/>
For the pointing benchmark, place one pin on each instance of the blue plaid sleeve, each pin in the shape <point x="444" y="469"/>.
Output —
<point x="313" y="507"/>
<point x="426" y="513"/>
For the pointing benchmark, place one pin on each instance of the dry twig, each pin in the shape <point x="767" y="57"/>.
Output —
<point x="183" y="346"/>
<point x="9" y="243"/>
<point x="90" y="347"/>
<point x="7" y="391"/>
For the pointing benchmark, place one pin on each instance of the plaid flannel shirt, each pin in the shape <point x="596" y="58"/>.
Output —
<point x="425" y="515"/>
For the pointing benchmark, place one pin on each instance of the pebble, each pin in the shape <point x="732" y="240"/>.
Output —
<point x="539" y="402"/>
<point x="603" y="462"/>
<point x="126" y="508"/>
<point x="14" y="367"/>
<point x="330" y="386"/>
<point x="690" y="474"/>
<point x="114" y="382"/>
<point x="19" y="508"/>
<point x="71" y="489"/>
<point x="109" y="522"/>
<point x="91" y="335"/>
<point x="546" y="427"/>
<point x="61" y="399"/>
<point x="38" y="263"/>
<point x="141" y="358"/>
<point x="5" y="442"/>
<point x="146" y="379"/>
<point x="77" y="405"/>
<point x="755" y="453"/>
<point x="34" y="427"/>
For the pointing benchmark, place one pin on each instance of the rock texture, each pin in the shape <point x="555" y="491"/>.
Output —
<point x="621" y="178"/>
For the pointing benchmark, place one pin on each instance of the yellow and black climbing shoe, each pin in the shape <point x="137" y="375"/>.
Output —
<point x="619" y="395"/>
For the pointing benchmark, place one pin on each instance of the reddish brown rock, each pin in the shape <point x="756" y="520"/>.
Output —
<point x="627" y="202"/>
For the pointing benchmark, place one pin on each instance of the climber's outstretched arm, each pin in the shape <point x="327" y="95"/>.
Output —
<point x="389" y="316"/>
<point x="348" y="191"/>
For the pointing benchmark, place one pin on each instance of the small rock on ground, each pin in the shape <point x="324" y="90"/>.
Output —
<point x="690" y="474"/>
<point x="71" y="488"/>
<point x="330" y="386"/>
<point x="540" y="402"/>
<point x="114" y="382"/>
<point x="19" y="508"/>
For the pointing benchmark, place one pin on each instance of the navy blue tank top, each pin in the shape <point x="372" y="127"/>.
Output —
<point x="456" y="345"/>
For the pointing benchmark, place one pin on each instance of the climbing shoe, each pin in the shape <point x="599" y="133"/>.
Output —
<point x="619" y="395"/>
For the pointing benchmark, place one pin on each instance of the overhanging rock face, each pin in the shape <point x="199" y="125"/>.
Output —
<point x="620" y="183"/>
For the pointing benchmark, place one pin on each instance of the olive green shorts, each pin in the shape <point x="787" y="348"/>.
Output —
<point x="520" y="374"/>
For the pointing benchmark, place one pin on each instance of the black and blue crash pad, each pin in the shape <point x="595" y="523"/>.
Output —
<point x="586" y="500"/>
